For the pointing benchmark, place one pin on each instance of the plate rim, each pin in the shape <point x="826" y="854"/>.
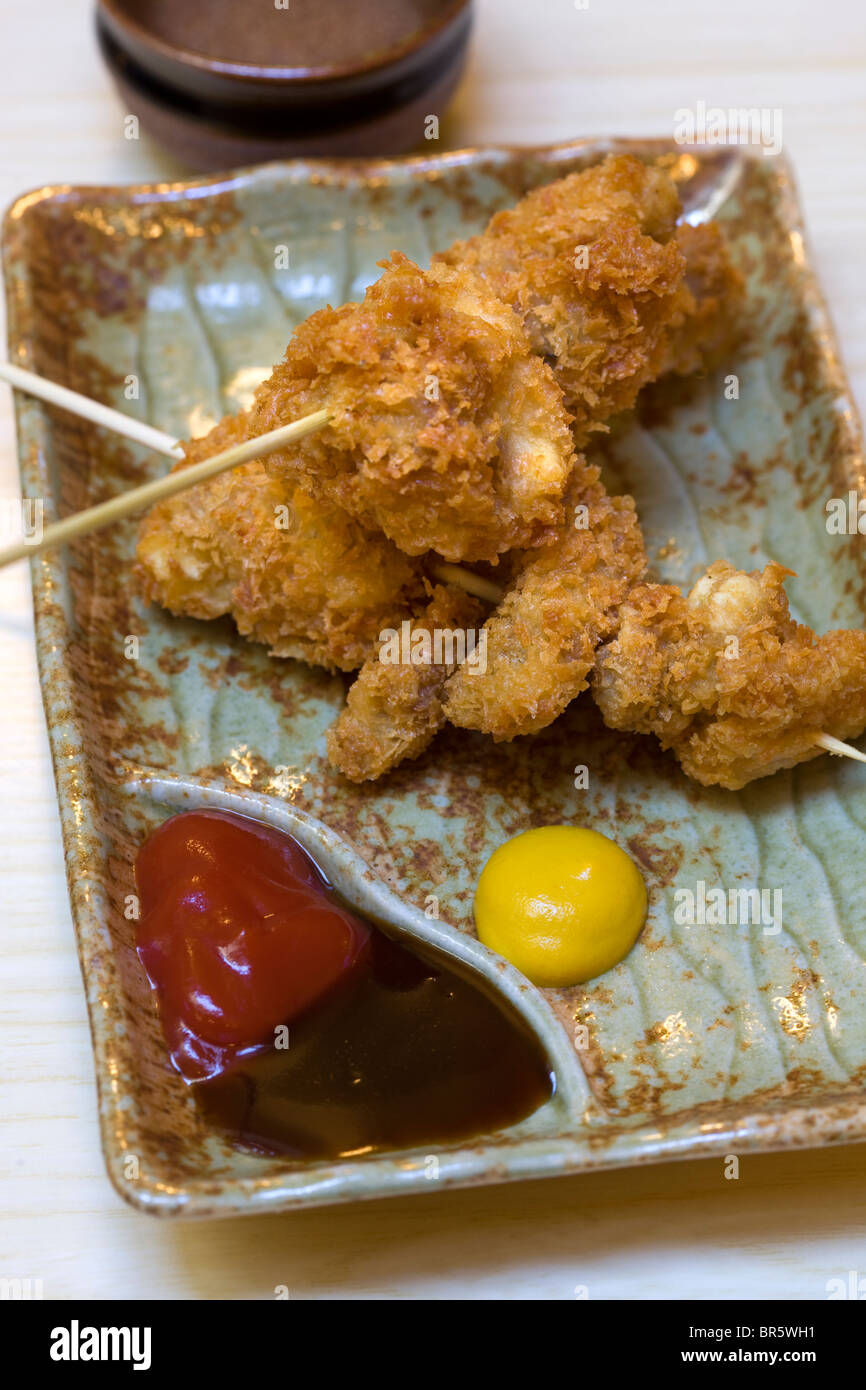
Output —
<point x="835" y="1118"/>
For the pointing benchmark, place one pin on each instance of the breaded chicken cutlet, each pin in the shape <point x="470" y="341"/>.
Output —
<point x="712" y="302"/>
<point x="446" y="433"/>
<point x="542" y="637"/>
<point x="393" y="711"/>
<point x="726" y="679"/>
<point x="449" y="436"/>
<point x="611" y="292"/>
<point x="296" y="574"/>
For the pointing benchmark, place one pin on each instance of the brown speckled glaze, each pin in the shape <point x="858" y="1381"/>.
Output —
<point x="706" y="1039"/>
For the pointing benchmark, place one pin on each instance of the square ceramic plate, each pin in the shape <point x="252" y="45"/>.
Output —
<point x="706" y="1040"/>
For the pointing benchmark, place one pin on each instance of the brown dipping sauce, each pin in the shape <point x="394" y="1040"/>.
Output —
<point x="306" y="34"/>
<point x="304" y="1029"/>
<point x="408" y="1054"/>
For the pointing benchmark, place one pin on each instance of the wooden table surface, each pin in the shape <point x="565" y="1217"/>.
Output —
<point x="791" y="1222"/>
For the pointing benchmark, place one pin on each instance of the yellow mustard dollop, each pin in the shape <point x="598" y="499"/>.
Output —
<point x="562" y="903"/>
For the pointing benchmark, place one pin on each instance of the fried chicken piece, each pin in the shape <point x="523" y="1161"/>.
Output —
<point x="591" y="266"/>
<point x="713" y="302"/>
<point x="542" y="638"/>
<point x="446" y="433"/>
<point x="297" y="574"/>
<point x="449" y="433"/>
<point x="394" y="710"/>
<point x="597" y="271"/>
<point x="726" y="678"/>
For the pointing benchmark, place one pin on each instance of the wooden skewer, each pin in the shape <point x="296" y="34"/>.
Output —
<point x="94" y="518"/>
<point x="842" y="750"/>
<point x="90" y="410"/>
<point x="464" y="579"/>
<point x="126" y="503"/>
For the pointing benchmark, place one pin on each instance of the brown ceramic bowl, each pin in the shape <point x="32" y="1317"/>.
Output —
<point x="231" y="81"/>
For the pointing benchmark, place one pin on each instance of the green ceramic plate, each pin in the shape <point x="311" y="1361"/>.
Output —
<point x="714" y="1038"/>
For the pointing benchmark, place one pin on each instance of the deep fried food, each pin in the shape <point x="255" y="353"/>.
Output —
<point x="727" y="679"/>
<point x="712" y="302"/>
<point x="297" y="574"/>
<point x="446" y="433"/>
<point x="448" y="392"/>
<point x="542" y="638"/>
<point x="393" y="710"/>
<point x="594" y="266"/>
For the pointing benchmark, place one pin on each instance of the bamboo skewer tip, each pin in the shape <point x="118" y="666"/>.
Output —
<point x="838" y="748"/>
<point x="470" y="582"/>
<point x="178" y="480"/>
<point x="87" y="409"/>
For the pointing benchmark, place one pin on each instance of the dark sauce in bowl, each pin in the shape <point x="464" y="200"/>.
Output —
<point x="389" y="1046"/>
<point x="224" y="82"/>
<point x="314" y="35"/>
<point x="409" y="1054"/>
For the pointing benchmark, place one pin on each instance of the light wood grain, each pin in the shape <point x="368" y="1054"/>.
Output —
<point x="790" y="1222"/>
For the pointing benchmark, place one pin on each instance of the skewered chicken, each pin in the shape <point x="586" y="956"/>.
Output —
<point x="449" y="392"/>
<point x="299" y="575"/>
<point x="394" y="710"/>
<point x="727" y="679"/>
<point x="611" y="292"/>
<point x="446" y="433"/>
<point x="542" y="637"/>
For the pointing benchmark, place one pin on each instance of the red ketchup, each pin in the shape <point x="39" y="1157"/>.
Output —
<point x="239" y="933"/>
